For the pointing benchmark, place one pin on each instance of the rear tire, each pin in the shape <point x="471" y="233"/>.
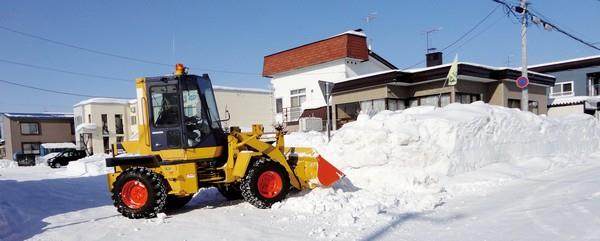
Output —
<point x="139" y="193"/>
<point x="177" y="202"/>
<point x="56" y="165"/>
<point x="230" y="191"/>
<point x="265" y="183"/>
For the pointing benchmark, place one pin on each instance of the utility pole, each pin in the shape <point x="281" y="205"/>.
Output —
<point x="524" y="91"/>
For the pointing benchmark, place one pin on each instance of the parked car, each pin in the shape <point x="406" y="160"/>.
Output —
<point x="65" y="157"/>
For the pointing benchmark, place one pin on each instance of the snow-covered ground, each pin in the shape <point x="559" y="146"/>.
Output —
<point x="463" y="172"/>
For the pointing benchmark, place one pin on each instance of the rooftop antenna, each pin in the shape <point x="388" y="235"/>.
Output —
<point x="428" y="32"/>
<point x="369" y="19"/>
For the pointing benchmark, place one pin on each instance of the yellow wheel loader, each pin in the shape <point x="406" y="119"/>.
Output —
<point x="181" y="147"/>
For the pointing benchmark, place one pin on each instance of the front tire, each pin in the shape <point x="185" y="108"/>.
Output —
<point x="139" y="193"/>
<point x="265" y="183"/>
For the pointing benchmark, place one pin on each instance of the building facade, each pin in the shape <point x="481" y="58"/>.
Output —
<point x="577" y="85"/>
<point x="24" y="133"/>
<point x="101" y="122"/>
<point x="295" y="72"/>
<point x="400" y="89"/>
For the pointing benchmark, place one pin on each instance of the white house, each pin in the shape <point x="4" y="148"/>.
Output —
<point x="101" y="122"/>
<point x="295" y="73"/>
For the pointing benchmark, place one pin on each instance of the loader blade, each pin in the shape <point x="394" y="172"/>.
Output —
<point x="327" y="173"/>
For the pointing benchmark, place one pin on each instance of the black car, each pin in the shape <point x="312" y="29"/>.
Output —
<point x="63" y="158"/>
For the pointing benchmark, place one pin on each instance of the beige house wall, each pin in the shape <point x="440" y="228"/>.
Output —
<point x="51" y="131"/>
<point x="557" y="111"/>
<point x="246" y="108"/>
<point x="536" y="93"/>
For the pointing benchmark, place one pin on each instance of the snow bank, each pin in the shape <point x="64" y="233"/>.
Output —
<point x="58" y="145"/>
<point x="4" y="163"/>
<point x="411" y="160"/>
<point x="89" y="166"/>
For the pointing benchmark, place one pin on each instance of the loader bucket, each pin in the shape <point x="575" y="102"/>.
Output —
<point x="311" y="168"/>
<point x="327" y="173"/>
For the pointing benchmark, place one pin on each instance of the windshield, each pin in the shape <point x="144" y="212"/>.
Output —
<point x="207" y="91"/>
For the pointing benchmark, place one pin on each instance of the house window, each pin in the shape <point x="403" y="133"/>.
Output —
<point x="594" y="83"/>
<point x="346" y="112"/>
<point x="30" y="147"/>
<point x="30" y="128"/>
<point x="562" y="89"/>
<point x="106" y="144"/>
<point x="104" y="124"/>
<point x="372" y="107"/>
<point x="119" y="124"/>
<point x="298" y="96"/>
<point x="466" y="98"/>
<point x="396" y="104"/>
<point x="515" y="103"/>
<point x="89" y="118"/>
<point x="279" y="105"/>
<point x="119" y="139"/>
<point x="431" y="100"/>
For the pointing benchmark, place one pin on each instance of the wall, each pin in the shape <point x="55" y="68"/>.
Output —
<point x="536" y="93"/>
<point x="246" y="108"/>
<point x="578" y="76"/>
<point x="556" y="111"/>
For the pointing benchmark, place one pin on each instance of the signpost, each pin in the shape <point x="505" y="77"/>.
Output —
<point x="522" y="82"/>
<point x="326" y="88"/>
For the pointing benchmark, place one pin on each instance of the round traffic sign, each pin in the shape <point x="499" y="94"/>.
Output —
<point x="522" y="82"/>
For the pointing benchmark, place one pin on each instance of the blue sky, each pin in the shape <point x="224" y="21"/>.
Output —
<point x="234" y="36"/>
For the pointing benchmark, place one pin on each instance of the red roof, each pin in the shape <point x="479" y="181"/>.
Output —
<point x="346" y="45"/>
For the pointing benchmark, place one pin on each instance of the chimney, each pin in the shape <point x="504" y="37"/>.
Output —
<point x="434" y="59"/>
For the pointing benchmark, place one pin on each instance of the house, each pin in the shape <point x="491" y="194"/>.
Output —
<point x="101" y="122"/>
<point x="399" y="89"/>
<point x="577" y="87"/>
<point x="24" y="133"/>
<point x="295" y="73"/>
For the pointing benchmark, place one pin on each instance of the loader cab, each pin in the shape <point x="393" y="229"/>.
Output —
<point x="183" y="113"/>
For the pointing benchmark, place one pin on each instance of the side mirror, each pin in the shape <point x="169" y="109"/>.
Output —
<point x="228" y="116"/>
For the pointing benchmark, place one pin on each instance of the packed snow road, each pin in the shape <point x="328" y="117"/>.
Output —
<point x="561" y="205"/>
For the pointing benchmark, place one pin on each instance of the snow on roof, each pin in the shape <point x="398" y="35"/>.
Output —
<point x="371" y="74"/>
<point x="574" y="100"/>
<point x="352" y="32"/>
<point x="104" y="101"/>
<point x="88" y="126"/>
<point x="39" y="115"/>
<point x="564" y="61"/>
<point x="254" y="90"/>
<point x="58" y="145"/>
<point x="476" y="65"/>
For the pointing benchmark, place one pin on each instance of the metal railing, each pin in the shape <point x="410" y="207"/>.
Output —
<point x="291" y="114"/>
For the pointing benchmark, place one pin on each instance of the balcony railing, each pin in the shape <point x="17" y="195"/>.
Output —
<point x="291" y="114"/>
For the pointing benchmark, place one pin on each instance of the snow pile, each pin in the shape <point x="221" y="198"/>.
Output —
<point x="89" y="166"/>
<point x="4" y="163"/>
<point x="413" y="160"/>
<point x="63" y="145"/>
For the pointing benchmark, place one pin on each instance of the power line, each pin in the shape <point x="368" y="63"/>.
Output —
<point x="461" y="37"/>
<point x="104" y="53"/>
<point x="56" y="91"/>
<point x="65" y="71"/>
<point x="545" y="23"/>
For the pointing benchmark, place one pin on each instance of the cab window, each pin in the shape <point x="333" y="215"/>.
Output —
<point x="165" y="105"/>
<point x="195" y="116"/>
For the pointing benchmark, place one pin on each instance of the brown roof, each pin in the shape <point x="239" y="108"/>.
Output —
<point x="340" y="46"/>
<point x="567" y="64"/>
<point x="438" y="72"/>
